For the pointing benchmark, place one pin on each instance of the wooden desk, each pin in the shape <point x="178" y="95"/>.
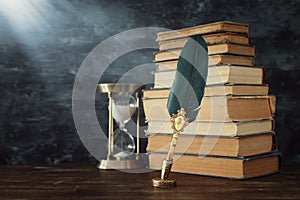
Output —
<point x="87" y="182"/>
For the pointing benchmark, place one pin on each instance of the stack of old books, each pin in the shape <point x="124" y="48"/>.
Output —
<point x="233" y="135"/>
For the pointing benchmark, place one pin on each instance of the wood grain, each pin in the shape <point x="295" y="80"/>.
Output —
<point x="87" y="182"/>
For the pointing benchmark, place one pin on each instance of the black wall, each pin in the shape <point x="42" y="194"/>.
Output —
<point x="41" y="53"/>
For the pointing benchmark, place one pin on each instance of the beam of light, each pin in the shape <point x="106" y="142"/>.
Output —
<point x="23" y="15"/>
<point x="35" y="21"/>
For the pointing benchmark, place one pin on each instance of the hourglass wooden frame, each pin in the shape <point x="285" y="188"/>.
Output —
<point x="110" y="162"/>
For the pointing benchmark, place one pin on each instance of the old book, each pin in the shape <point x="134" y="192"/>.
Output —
<point x="230" y="60"/>
<point x="221" y="74"/>
<point x="237" y="90"/>
<point x="224" y="48"/>
<point x="272" y="100"/>
<point x="210" y="39"/>
<point x="213" y="60"/>
<point x="230" y="128"/>
<point x="227" y="48"/>
<point x="217" y="108"/>
<point x="216" y="27"/>
<point x="229" y="167"/>
<point x="217" y="146"/>
<point x="217" y="90"/>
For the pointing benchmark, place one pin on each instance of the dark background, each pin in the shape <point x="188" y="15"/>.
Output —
<point x="43" y="43"/>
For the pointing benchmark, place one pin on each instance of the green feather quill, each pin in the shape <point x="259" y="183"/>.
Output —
<point x="190" y="79"/>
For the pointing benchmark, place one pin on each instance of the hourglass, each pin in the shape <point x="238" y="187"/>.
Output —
<point x="123" y="107"/>
<point x="124" y="101"/>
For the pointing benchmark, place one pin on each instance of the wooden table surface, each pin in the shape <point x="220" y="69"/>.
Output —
<point x="87" y="182"/>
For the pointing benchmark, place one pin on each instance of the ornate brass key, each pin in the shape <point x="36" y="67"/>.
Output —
<point x="179" y="122"/>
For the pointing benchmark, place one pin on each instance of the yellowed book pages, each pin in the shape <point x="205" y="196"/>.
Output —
<point x="212" y="60"/>
<point x="216" y="75"/>
<point x="218" y="108"/>
<point x="209" y="39"/>
<point x="238" y="168"/>
<point x="212" y="49"/>
<point x="231" y="128"/>
<point x="218" y="146"/>
<point x="217" y="90"/>
<point x="216" y="27"/>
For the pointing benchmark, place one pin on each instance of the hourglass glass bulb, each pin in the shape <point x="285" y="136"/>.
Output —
<point x="124" y="106"/>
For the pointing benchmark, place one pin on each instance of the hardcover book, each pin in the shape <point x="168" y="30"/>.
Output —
<point x="230" y="128"/>
<point x="216" y="27"/>
<point x="227" y="167"/>
<point x="228" y="37"/>
<point x="218" y="108"/>
<point x="217" y="75"/>
<point x="250" y="145"/>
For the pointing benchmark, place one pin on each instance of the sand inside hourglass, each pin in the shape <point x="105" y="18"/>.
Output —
<point x="122" y="113"/>
<point x="123" y="141"/>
